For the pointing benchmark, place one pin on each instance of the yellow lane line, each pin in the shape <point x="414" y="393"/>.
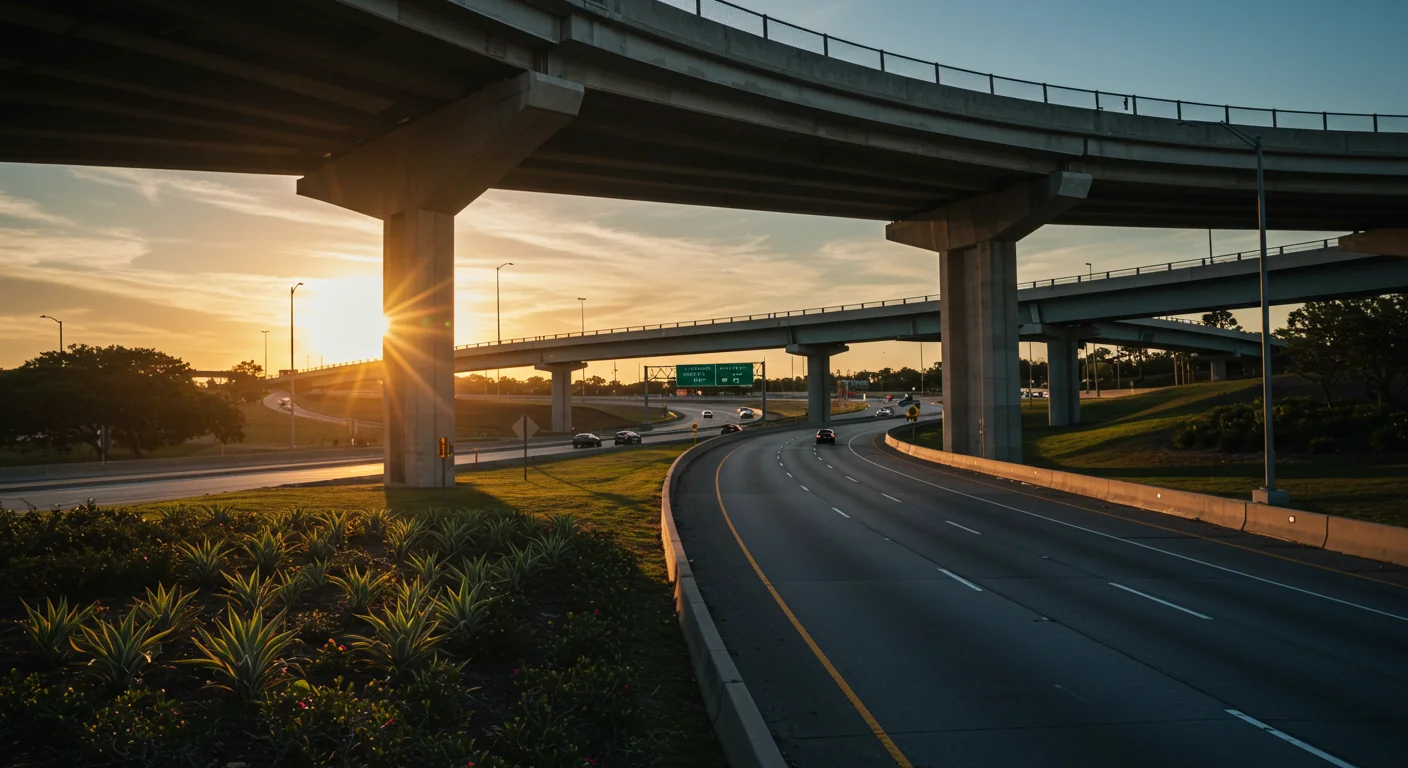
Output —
<point x="885" y="740"/>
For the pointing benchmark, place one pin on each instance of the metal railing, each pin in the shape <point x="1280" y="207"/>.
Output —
<point x="833" y="47"/>
<point x="1167" y="266"/>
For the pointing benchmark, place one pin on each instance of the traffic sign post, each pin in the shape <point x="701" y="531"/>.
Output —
<point x="695" y="427"/>
<point x="525" y="428"/>
<point x="913" y="414"/>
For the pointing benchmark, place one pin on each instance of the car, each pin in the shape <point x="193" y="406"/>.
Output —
<point x="707" y="414"/>
<point x="883" y="412"/>
<point x="586" y="440"/>
<point x="285" y="403"/>
<point x="746" y="413"/>
<point x="728" y="428"/>
<point x="825" y="436"/>
<point x="626" y="437"/>
<point x="906" y="401"/>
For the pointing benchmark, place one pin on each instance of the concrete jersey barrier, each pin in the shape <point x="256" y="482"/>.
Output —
<point x="737" y="723"/>
<point x="1360" y="538"/>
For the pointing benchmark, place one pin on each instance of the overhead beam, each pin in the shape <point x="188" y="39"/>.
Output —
<point x="1006" y="216"/>
<point x="1384" y="242"/>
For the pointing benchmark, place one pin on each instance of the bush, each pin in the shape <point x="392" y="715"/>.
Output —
<point x="1393" y="435"/>
<point x="1302" y="424"/>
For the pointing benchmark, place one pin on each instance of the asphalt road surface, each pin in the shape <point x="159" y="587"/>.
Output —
<point x="935" y="617"/>
<point x="188" y="484"/>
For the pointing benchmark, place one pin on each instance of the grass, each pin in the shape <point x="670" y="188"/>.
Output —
<point x="476" y="418"/>
<point x="1131" y="438"/>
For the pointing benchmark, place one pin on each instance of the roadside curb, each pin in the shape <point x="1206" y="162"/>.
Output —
<point x="737" y="723"/>
<point x="1373" y="541"/>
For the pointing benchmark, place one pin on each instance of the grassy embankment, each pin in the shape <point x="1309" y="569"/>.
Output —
<point x="1131" y="439"/>
<point x="575" y="659"/>
<point x="476" y="418"/>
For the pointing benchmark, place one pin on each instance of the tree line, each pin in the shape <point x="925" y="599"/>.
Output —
<point x="1364" y="341"/>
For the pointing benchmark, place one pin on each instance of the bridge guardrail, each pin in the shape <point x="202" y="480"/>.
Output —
<point x="830" y="46"/>
<point x="1167" y="266"/>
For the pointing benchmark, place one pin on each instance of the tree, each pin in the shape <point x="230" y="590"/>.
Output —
<point x="62" y="400"/>
<point x="1221" y="318"/>
<point x="246" y="384"/>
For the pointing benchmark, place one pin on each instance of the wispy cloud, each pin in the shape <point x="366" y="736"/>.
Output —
<point x="28" y="210"/>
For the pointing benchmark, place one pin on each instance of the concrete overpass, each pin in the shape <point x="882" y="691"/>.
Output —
<point x="408" y="110"/>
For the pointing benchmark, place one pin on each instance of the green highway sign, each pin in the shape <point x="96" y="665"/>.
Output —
<point x="714" y="375"/>
<point x="695" y="375"/>
<point x="735" y="374"/>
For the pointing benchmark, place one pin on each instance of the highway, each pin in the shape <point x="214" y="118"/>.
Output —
<point x="891" y="612"/>
<point x="189" y="485"/>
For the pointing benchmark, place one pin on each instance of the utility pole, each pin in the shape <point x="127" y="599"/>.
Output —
<point x="498" y="322"/>
<point x="292" y="374"/>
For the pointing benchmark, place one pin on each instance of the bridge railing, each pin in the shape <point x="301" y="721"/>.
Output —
<point x="1167" y="266"/>
<point x="765" y="26"/>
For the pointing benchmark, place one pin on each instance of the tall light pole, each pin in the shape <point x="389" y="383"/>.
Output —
<point x="61" y="330"/>
<point x="1089" y="270"/>
<point x="498" y="322"/>
<point x="266" y="353"/>
<point x="1268" y="493"/>
<point x="583" y="304"/>
<point x="292" y="373"/>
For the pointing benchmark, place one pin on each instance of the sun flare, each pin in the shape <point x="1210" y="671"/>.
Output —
<point x="340" y="320"/>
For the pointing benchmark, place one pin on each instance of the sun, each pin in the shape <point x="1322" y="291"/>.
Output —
<point x="340" y="320"/>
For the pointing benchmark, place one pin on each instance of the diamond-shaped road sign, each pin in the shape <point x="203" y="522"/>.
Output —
<point x="525" y="427"/>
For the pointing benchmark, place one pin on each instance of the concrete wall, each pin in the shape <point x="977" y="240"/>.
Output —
<point x="1337" y="534"/>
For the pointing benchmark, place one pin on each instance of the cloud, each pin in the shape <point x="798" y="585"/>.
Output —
<point x="19" y="208"/>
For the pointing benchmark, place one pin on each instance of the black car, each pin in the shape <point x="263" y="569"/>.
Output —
<point x="825" y="436"/>
<point x="586" y="440"/>
<point x="727" y="428"/>
<point x="627" y="437"/>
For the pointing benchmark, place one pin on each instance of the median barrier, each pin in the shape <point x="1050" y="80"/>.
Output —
<point x="738" y="725"/>
<point x="1309" y="528"/>
<point x="1375" y="541"/>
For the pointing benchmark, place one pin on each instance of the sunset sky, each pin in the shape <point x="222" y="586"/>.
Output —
<point x="198" y="265"/>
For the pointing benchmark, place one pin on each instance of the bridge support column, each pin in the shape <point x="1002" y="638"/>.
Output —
<point x="1217" y="370"/>
<point x="1063" y="372"/>
<point x="976" y="240"/>
<point x="561" y="393"/>
<point x="415" y="179"/>
<point x="818" y="367"/>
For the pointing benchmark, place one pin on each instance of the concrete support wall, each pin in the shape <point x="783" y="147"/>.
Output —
<point x="1218" y="371"/>
<point x="561" y="393"/>
<point x="1064" y="371"/>
<point x="982" y="376"/>
<point x="818" y="393"/>
<point x="418" y="380"/>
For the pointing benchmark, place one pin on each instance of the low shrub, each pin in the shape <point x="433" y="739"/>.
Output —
<point x="1302" y="425"/>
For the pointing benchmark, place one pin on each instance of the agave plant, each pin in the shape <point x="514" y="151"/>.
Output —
<point x="297" y="518"/>
<point x="321" y="544"/>
<point x="336" y="523"/>
<point x="455" y="537"/>
<point x="503" y="531"/>
<point x="167" y="610"/>
<point x="207" y="559"/>
<point x="374" y="521"/>
<point x="426" y="567"/>
<point x="266" y="549"/>
<point x="519" y="565"/>
<point x="219" y="514"/>
<point x="464" y="609"/>
<point x="289" y="590"/>
<point x="402" y="535"/>
<point x="563" y="525"/>
<point x="403" y="639"/>
<point x="315" y="574"/>
<point x="244" y="654"/>
<point x="412" y="594"/>
<point x="52" y="629"/>
<point x="361" y="587"/>
<point x="120" y="650"/>
<point x="175" y="514"/>
<point x="553" y="549"/>
<point x="249" y="593"/>
<point x="476" y="569"/>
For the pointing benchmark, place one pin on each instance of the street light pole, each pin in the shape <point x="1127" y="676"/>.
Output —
<point x="61" y="330"/>
<point x="292" y="374"/>
<point x="266" y="353"/>
<point x="1267" y="494"/>
<point x="583" y="304"/>
<point x="498" y="322"/>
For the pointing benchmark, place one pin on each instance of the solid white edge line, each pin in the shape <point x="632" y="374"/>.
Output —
<point x="891" y="498"/>
<point x="1161" y="602"/>
<point x="839" y="512"/>
<point x="1141" y="545"/>
<point x="960" y="580"/>
<point x="964" y="527"/>
<point x="852" y="479"/>
<point x="1320" y="753"/>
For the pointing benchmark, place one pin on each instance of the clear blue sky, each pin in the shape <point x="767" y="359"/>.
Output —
<point x="199" y="264"/>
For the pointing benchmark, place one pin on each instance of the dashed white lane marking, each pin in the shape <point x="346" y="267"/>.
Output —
<point x="1161" y="602"/>
<point x="839" y="512"/>
<point x="828" y="466"/>
<point x="960" y="580"/>
<point x="1323" y="755"/>
<point x="1132" y="543"/>
<point x="789" y="474"/>
<point x="964" y="527"/>
<point x="891" y="498"/>
<point x="805" y="488"/>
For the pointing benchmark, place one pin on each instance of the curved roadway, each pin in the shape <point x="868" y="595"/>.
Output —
<point x="975" y="622"/>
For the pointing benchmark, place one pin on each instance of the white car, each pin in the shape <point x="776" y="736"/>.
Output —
<point x="883" y="412"/>
<point x="707" y="414"/>
<point x="746" y="413"/>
